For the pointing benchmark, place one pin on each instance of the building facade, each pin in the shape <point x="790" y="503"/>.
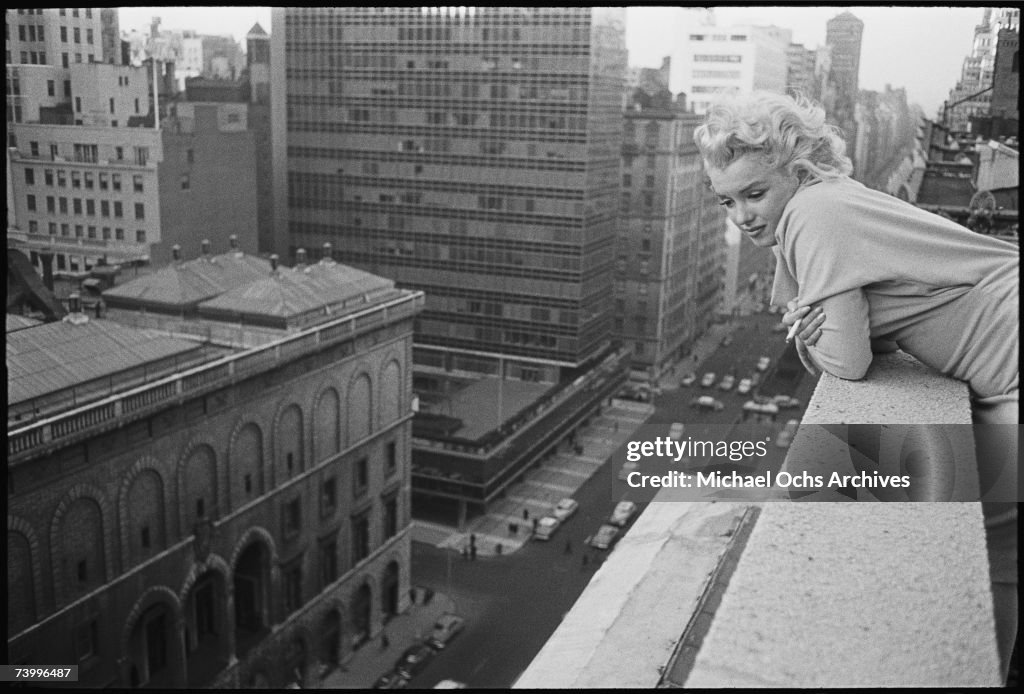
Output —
<point x="472" y="154"/>
<point x="669" y="223"/>
<point x="713" y="59"/>
<point x="843" y="35"/>
<point x="187" y="514"/>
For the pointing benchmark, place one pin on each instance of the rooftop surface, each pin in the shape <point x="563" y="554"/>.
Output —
<point x="477" y="404"/>
<point x="184" y="284"/>
<point x="55" y="356"/>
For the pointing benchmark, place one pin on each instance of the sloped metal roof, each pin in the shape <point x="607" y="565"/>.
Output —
<point x="55" y="356"/>
<point x="16" y="322"/>
<point x="291" y="292"/>
<point x="187" y="283"/>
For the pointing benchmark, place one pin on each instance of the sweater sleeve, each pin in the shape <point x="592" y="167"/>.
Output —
<point x="844" y="348"/>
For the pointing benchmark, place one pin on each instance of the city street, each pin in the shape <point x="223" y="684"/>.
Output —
<point x="514" y="602"/>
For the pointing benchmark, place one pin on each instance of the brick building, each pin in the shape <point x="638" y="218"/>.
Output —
<point x="223" y="507"/>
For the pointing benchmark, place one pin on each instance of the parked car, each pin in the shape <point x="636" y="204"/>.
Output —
<point x="413" y="660"/>
<point x="450" y="684"/>
<point x="785" y="436"/>
<point x="706" y="402"/>
<point x="623" y="511"/>
<point x="565" y="508"/>
<point x="604" y="537"/>
<point x="627" y="467"/>
<point x="546" y="527"/>
<point x="753" y="407"/>
<point x="675" y="432"/>
<point x="445" y="629"/>
<point x="755" y="379"/>
<point x="786" y="402"/>
<point x="763" y="362"/>
<point x="391" y="680"/>
<point x="728" y="381"/>
<point x="727" y="340"/>
<point x="688" y="380"/>
<point x="744" y="387"/>
<point x="708" y="380"/>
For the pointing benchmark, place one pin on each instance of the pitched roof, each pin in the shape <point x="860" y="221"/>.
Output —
<point x="185" y="284"/>
<point x="291" y="292"/>
<point x="16" y="322"/>
<point x="50" y="357"/>
<point x="256" y="30"/>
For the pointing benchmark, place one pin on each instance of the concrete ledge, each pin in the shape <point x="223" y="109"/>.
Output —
<point x="861" y="594"/>
<point x="623" y="628"/>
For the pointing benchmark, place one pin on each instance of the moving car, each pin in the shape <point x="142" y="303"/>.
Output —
<point x="445" y="629"/>
<point x="627" y="467"/>
<point x="675" y="432"/>
<point x="546" y="527"/>
<point x="753" y="407"/>
<point x="706" y="402"/>
<point x="565" y="508"/>
<point x="763" y="362"/>
<point x="727" y="340"/>
<point x="604" y="537"/>
<point x="413" y="660"/>
<point x="623" y="511"/>
<point x="728" y="381"/>
<point x="450" y="684"/>
<point x="391" y="680"/>
<point x="744" y="387"/>
<point x="708" y="380"/>
<point x="688" y="380"/>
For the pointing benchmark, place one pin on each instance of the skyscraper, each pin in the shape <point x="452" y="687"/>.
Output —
<point x="469" y="152"/>
<point x="843" y="36"/>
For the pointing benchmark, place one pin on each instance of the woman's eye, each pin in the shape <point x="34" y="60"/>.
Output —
<point x="725" y="203"/>
<point x="756" y="196"/>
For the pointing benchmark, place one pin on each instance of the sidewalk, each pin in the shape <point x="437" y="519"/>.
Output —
<point x="371" y="661"/>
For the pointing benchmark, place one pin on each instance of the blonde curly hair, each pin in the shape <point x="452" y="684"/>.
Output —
<point x="790" y="132"/>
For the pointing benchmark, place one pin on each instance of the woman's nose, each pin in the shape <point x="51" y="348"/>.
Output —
<point x="742" y="216"/>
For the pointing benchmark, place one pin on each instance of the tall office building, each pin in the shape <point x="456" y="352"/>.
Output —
<point x="712" y="59"/>
<point x="843" y="35"/>
<point x="469" y="152"/>
<point x="972" y="95"/>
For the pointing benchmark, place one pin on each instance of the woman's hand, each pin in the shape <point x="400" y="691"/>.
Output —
<point x="811" y="319"/>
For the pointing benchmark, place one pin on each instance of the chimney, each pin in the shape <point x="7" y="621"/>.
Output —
<point x="328" y="255"/>
<point x="273" y="262"/>
<point x="300" y="258"/>
<point x="204" y="247"/>
<point x="75" y="315"/>
<point x="176" y="253"/>
<point x="233" y="242"/>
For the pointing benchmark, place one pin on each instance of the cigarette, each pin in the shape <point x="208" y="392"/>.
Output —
<point x="793" y="331"/>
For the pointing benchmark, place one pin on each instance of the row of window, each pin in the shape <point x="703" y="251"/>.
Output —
<point x="53" y="204"/>
<point x="84" y="231"/>
<point x="88" y="154"/>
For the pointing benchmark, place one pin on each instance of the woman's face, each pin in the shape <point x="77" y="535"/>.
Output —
<point x="754" y="194"/>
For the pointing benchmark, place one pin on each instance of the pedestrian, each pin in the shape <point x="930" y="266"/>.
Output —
<point x="526" y="514"/>
<point x="472" y="552"/>
<point x="534" y="525"/>
<point x="568" y="546"/>
<point x="384" y="641"/>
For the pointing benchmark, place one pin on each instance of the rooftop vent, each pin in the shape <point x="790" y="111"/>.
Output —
<point x="204" y="247"/>
<point x="273" y="262"/>
<point x="328" y="255"/>
<point x="176" y="253"/>
<point x="233" y="241"/>
<point x="300" y="257"/>
<point x="75" y="315"/>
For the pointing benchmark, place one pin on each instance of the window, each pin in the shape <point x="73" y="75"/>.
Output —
<point x="140" y="236"/>
<point x="106" y="233"/>
<point x="31" y="201"/>
<point x="90" y="231"/>
<point x="88" y="36"/>
<point x="328" y="497"/>
<point x="89" y="180"/>
<point x="90" y="207"/>
<point x="30" y="177"/>
<point x="390" y="516"/>
<point x="186" y="182"/>
<point x="627" y="180"/>
<point x="87" y="153"/>
<point x="51" y="204"/>
<point x="33" y="226"/>
<point x="65" y="230"/>
<point x="293" y="586"/>
<point x="86" y="637"/>
<point x="77" y="205"/>
<point x="360" y="537"/>
<point x="78" y="104"/>
<point x="104" y="208"/>
<point x="141" y="155"/>
<point x="62" y="180"/>
<point x="76" y="179"/>
<point x="33" y="148"/>
<point x="63" y="205"/>
<point x="360" y="477"/>
<point x="392" y="458"/>
<point x="53" y="228"/>
<point x="51" y="88"/>
<point x="119" y="234"/>
<point x="137" y="183"/>
<point x="78" y="36"/>
<point x="65" y="60"/>
<point x="291" y="518"/>
<point x="119" y="154"/>
<point x="48" y="177"/>
<point x="112" y="105"/>
<point x="328" y="551"/>
<point x="104" y="181"/>
<point x="115" y="179"/>
<point x="64" y="34"/>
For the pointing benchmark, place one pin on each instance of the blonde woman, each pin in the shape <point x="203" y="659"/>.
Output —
<point x="860" y="271"/>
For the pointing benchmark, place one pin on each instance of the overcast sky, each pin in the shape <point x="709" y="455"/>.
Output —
<point x="920" y="48"/>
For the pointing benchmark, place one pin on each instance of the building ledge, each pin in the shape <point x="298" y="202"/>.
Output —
<point x="824" y="594"/>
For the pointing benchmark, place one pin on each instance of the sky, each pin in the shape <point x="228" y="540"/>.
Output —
<point x="919" y="48"/>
